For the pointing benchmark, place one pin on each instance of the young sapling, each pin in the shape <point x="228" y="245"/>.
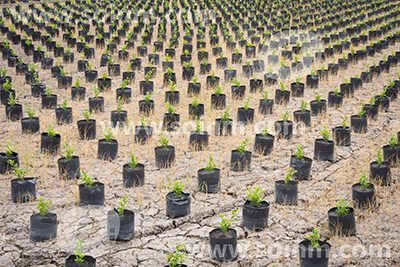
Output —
<point x="163" y="141"/>
<point x="210" y="164"/>
<point x="363" y="181"/>
<point x="69" y="150"/>
<point x="176" y="258"/>
<point x="43" y="206"/>
<point x="122" y="203"/>
<point x="132" y="161"/>
<point x="344" y="123"/>
<point x="8" y="149"/>
<point x="51" y="132"/>
<point x="255" y="197"/>
<point x="318" y="98"/>
<point x="78" y="252"/>
<point x="379" y="157"/>
<point x="303" y="105"/>
<point x="341" y="207"/>
<point x="64" y="103"/>
<point x="299" y="152"/>
<point x="242" y="147"/>
<point x="246" y="103"/>
<point x="289" y="175"/>
<point x="108" y="135"/>
<point x="87" y="181"/>
<point x="226" y="222"/>
<point x="18" y="172"/>
<point x="177" y="187"/>
<point x="392" y="141"/>
<point x="314" y="238"/>
<point x="198" y="125"/>
<point x="285" y="116"/>
<point x="325" y="133"/>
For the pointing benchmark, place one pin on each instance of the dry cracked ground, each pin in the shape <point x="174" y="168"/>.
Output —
<point x="155" y="233"/>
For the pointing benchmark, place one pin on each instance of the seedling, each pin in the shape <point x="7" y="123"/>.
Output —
<point x="390" y="83"/>
<point x="265" y="95"/>
<point x="172" y="86"/>
<point x="119" y="105"/>
<point x="336" y="90"/>
<point x="11" y="101"/>
<point x="314" y="238"/>
<point x="210" y="164"/>
<point x="218" y="90"/>
<point x="170" y="109"/>
<point x="289" y="175"/>
<point x="188" y="64"/>
<point x="177" y="187"/>
<point x="8" y="149"/>
<point x="226" y="222"/>
<point x="379" y="157"/>
<point x="110" y="60"/>
<point x="242" y="147"/>
<point x="35" y="77"/>
<point x="18" y="172"/>
<point x="89" y="67"/>
<point x="43" y="206"/>
<point x="48" y="91"/>
<point x="169" y="71"/>
<point x="142" y="121"/>
<point x="303" y="105"/>
<point x="108" y="135"/>
<point x="50" y="131"/>
<point x="62" y="71"/>
<point x="195" y="102"/>
<point x="64" y="103"/>
<point x="318" y="98"/>
<point x="344" y="123"/>
<point x="265" y="131"/>
<point x="148" y="75"/>
<point x="255" y="197"/>
<point x="383" y="94"/>
<point x="361" y="112"/>
<point x="147" y="97"/>
<point x="225" y="115"/>
<point x="124" y="83"/>
<point x="163" y="141"/>
<point x="282" y="85"/>
<point x="78" y="252"/>
<point x="325" y="133"/>
<point x="32" y="67"/>
<point x="176" y="258"/>
<point x="363" y="181"/>
<point x="392" y="141"/>
<point x="86" y="114"/>
<point x="104" y="76"/>
<point x="341" y="207"/>
<point x="299" y="152"/>
<point x="198" y="125"/>
<point x="122" y="203"/>
<point x="236" y="82"/>
<point x="285" y="116"/>
<point x="69" y="150"/>
<point x="298" y="78"/>
<point x="246" y="103"/>
<point x="194" y="80"/>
